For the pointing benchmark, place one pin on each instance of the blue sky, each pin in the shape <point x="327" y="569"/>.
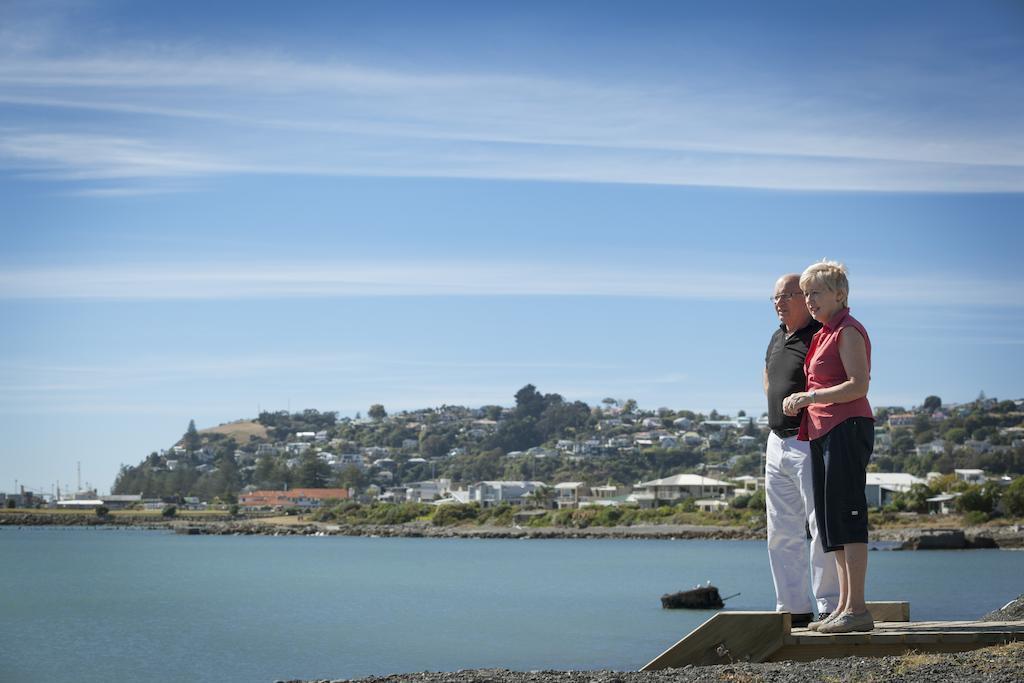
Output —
<point x="211" y="208"/>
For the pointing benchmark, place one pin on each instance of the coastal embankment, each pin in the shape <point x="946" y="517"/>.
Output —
<point x="1005" y="536"/>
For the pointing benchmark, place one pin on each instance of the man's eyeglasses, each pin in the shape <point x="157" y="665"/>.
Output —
<point x="782" y="297"/>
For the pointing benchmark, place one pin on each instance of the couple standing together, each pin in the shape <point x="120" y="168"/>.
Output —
<point x="816" y="376"/>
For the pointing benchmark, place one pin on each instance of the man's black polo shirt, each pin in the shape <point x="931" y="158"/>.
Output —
<point x="785" y="363"/>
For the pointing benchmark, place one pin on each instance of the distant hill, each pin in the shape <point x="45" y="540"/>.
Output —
<point x="545" y="438"/>
<point x="240" y="430"/>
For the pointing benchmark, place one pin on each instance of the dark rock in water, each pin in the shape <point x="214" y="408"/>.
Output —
<point x="982" y="542"/>
<point x="706" y="597"/>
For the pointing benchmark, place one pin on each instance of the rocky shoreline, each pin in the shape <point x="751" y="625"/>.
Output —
<point x="905" y="538"/>
<point x="894" y="538"/>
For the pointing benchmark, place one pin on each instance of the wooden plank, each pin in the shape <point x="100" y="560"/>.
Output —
<point x="797" y="653"/>
<point x="889" y="610"/>
<point x="894" y="638"/>
<point x="727" y="637"/>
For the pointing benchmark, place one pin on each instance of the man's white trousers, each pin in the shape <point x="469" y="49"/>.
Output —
<point x="796" y="570"/>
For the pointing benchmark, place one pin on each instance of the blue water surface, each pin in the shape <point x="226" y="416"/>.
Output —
<point x="99" y="604"/>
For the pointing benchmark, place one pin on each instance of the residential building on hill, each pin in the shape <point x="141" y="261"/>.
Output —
<point x="489" y="493"/>
<point x="881" y="487"/>
<point x="671" y="490"/>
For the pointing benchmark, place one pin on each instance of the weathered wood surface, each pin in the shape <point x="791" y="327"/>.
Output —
<point x="889" y="610"/>
<point x="727" y="637"/>
<point x="894" y="638"/>
<point x="767" y="636"/>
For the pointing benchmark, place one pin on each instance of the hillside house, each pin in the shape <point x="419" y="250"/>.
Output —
<point x="971" y="476"/>
<point x="902" y="420"/>
<point x="490" y="493"/>
<point x="881" y="487"/>
<point x="672" y="490"/>
<point x="426" y="491"/>
<point x="568" y="494"/>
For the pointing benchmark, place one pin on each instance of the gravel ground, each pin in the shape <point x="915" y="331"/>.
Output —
<point x="1011" y="611"/>
<point x="1002" y="663"/>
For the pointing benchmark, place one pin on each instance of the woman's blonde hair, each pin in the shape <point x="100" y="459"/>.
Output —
<point x="830" y="274"/>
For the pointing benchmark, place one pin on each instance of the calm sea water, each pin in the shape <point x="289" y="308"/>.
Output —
<point x="99" y="604"/>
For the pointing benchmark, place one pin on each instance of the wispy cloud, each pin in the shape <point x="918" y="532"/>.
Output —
<point x="332" y="118"/>
<point x="70" y="156"/>
<point x="261" y="280"/>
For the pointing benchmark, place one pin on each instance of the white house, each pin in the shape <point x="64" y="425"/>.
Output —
<point x="671" y="490"/>
<point x="667" y="442"/>
<point x="692" y="439"/>
<point x="749" y="483"/>
<point x="881" y="487"/>
<point x="425" y="491"/>
<point x="122" y="501"/>
<point x="942" y="504"/>
<point x="568" y="494"/>
<point x="971" y="476"/>
<point x="747" y="442"/>
<point x="489" y="493"/>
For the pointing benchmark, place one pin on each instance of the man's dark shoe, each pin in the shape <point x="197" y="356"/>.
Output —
<point x="800" y="620"/>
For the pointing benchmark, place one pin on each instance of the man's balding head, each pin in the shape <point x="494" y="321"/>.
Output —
<point x="789" y="302"/>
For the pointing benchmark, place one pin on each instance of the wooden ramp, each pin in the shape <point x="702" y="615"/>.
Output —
<point x="768" y="637"/>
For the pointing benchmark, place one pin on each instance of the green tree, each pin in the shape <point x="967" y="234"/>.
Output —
<point x="902" y="440"/>
<point x="914" y="500"/>
<point x="922" y="423"/>
<point x="924" y="437"/>
<point x="982" y="498"/>
<point x="435" y="445"/>
<point x="191" y="440"/>
<point x="377" y="412"/>
<point x="542" y="497"/>
<point x="352" y="478"/>
<point x="313" y="472"/>
<point x="517" y="435"/>
<point x="169" y="511"/>
<point x="102" y="511"/>
<point x="1013" y="497"/>
<point x="932" y="403"/>
<point x="529" y="402"/>
<point x="956" y="434"/>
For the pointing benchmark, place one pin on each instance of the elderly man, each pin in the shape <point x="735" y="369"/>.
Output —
<point x="788" y="481"/>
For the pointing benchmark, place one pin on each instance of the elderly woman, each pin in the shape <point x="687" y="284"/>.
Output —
<point x="838" y="422"/>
